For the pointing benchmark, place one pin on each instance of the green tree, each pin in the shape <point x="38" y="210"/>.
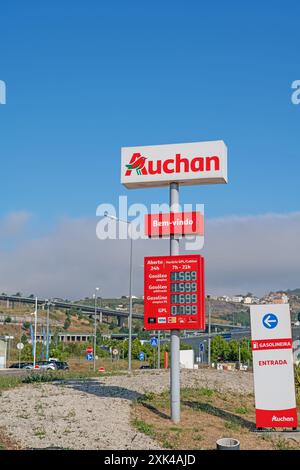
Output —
<point x="219" y="349"/>
<point x="24" y="339"/>
<point x="233" y="350"/>
<point x="67" y="323"/>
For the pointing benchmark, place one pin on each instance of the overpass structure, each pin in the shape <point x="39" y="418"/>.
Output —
<point x="121" y="316"/>
<point x="60" y="304"/>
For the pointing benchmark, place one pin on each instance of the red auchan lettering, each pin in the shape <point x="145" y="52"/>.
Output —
<point x="191" y="163"/>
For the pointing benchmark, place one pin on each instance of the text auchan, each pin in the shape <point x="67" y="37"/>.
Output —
<point x="191" y="163"/>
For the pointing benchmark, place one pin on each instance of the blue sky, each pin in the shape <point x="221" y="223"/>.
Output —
<point x="85" y="78"/>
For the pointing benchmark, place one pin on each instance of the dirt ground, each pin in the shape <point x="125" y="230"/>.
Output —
<point x="110" y="412"/>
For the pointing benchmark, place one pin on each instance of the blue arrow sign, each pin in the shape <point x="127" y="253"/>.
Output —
<point x="270" y="321"/>
<point x="89" y="356"/>
<point x="153" y="342"/>
<point x="201" y="347"/>
<point x="226" y="335"/>
<point x="141" y="356"/>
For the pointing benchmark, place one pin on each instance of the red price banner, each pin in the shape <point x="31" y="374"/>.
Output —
<point x="174" y="293"/>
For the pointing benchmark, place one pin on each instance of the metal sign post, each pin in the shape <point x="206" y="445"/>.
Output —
<point x="20" y="346"/>
<point x="175" y="339"/>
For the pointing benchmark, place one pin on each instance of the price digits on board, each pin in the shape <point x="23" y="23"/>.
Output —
<point x="184" y="276"/>
<point x="184" y="309"/>
<point x="183" y="298"/>
<point x="185" y="294"/>
<point x="184" y="287"/>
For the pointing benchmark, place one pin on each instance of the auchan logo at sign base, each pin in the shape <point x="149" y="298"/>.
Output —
<point x="159" y="165"/>
<point x="276" y="418"/>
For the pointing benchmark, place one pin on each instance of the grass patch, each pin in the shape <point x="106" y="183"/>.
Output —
<point x="283" y="444"/>
<point x="8" y="382"/>
<point x="41" y="434"/>
<point x="206" y="416"/>
<point x="241" y="410"/>
<point x="143" y="427"/>
<point x="232" y="425"/>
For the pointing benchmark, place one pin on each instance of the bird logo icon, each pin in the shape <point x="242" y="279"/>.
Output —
<point x="136" y="163"/>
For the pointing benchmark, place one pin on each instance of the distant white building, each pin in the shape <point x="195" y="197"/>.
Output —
<point x="275" y="298"/>
<point x="224" y="298"/>
<point x="251" y="300"/>
<point x="237" y="298"/>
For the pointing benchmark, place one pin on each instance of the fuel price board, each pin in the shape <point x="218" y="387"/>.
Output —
<point x="174" y="293"/>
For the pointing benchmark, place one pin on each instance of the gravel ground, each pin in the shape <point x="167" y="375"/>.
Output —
<point x="95" y="413"/>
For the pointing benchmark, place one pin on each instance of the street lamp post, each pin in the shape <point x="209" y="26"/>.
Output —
<point x="35" y="325"/>
<point x="130" y="286"/>
<point x="209" y="331"/>
<point x="95" y="327"/>
<point x="47" y="330"/>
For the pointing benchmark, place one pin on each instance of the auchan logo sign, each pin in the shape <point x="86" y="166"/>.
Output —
<point x="193" y="163"/>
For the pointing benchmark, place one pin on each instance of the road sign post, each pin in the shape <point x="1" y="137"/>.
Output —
<point x="20" y="346"/>
<point x="154" y="344"/>
<point x="141" y="356"/>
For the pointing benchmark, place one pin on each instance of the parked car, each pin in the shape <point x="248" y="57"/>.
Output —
<point x="60" y="365"/>
<point x="16" y="365"/>
<point x="45" y="365"/>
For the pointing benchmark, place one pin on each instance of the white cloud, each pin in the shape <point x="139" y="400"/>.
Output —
<point x="255" y="253"/>
<point x="13" y="224"/>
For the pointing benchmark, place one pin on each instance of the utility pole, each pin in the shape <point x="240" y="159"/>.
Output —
<point x="100" y="313"/>
<point x="130" y="302"/>
<point x="158" y="351"/>
<point x="47" y="331"/>
<point x="209" y="331"/>
<point x="130" y="285"/>
<point x="175" y="338"/>
<point x="95" y="327"/>
<point x="35" y="326"/>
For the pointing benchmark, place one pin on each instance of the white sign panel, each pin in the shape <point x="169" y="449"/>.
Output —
<point x="272" y="351"/>
<point x="187" y="164"/>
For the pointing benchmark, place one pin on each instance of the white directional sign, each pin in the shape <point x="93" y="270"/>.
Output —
<point x="272" y="350"/>
<point x="187" y="164"/>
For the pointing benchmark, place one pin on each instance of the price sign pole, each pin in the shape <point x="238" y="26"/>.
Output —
<point x="174" y="292"/>
<point x="175" y="338"/>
